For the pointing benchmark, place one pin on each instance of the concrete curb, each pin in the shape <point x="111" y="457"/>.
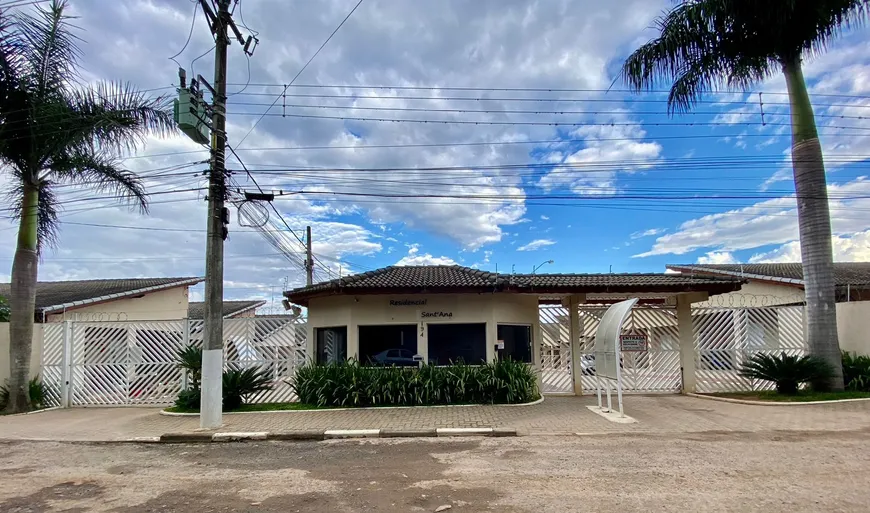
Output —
<point x="327" y="434"/>
<point x="368" y="408"/>
<point x="774" y="403"/>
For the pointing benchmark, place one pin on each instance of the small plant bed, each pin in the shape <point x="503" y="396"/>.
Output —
<point x="802" y="396"/>
<point x="253" y="408"/>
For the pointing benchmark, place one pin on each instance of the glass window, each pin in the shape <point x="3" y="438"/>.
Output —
<point x="450" y="343"/>
<point x="331" y="344"/>
<point x="388" y="344"/>
<point x="517" y="342"/>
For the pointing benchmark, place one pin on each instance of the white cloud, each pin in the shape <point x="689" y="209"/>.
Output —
<point x="536" y="245"/>
<point x="648" y="233"/>
<point x="415" y="258"/>
<point x="545" y="218"/>
<point x="717" y="257"/>
<point x="772" y="221"/>
<point x="615" y="149"/>
<point x="851" y="248"/>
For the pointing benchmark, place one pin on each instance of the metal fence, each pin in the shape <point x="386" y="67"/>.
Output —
<point x="727" y="337"/>
<point x="723" y="339"/>
<point x="133" y="363"/>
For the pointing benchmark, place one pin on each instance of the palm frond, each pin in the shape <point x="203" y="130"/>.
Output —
<point x="51" y="50"/>
<point x="99" y="170"/>
<point x="118" y="117"/>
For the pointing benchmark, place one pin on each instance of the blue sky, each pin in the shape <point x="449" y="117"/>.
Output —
<point x="571" y="203"/>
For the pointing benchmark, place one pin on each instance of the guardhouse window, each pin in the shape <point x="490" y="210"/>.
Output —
<point x="517" y="340"/>
<point x="331" y="344"/>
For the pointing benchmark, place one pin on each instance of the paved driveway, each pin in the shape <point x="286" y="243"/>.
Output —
<point x="556" y="416"/>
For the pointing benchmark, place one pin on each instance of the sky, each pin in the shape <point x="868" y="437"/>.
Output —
<point x="531" y="149"/>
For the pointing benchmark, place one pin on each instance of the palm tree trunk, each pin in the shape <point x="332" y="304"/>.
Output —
<point x="23" y="302"/>
<point x="814" y="220"/>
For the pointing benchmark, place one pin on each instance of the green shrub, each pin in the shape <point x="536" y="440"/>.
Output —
<point x="856" y="372"/>
<point x="351" y="384"/>
<point x="240" y="384"/>
<point x="36" y="389"/>
<point x="189" y="360"/>
<point x="787" y="372"/>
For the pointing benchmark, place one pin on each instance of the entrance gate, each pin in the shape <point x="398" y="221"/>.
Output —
<point x="655" y="370"/>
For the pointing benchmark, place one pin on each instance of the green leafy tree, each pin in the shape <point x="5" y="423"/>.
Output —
<point x="705" y="44"/>
<point x="54" y="130"/>
<point x="4" y="310"/>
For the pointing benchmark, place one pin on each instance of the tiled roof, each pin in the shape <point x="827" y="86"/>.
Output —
<point x="845" y="273"/>
<point x="196" y="309"/>
<point x="442" y="278"/>
<point x="51" y="295"/>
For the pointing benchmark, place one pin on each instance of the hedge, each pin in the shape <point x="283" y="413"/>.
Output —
<point x="350" y="384"/>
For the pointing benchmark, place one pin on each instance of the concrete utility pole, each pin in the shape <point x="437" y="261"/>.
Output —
<point x="212" y="354"/>
<point x="309" y="259"/>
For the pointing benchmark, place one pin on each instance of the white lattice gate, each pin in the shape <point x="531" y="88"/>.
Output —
<point x="726" y="337"/>
<point x="133" y="363"/>
<point x="654" y="370"/>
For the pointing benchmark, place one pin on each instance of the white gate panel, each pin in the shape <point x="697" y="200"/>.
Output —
<point x="655" y="370"/>
<point x="52" y="374"/>
<point x="555" y="350"/>
<point x="726" y="337"/>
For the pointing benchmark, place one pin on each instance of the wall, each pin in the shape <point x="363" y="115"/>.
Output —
<point x="35" y="352"/>
<point x="757" y="293"/>
<point x="169" y="304"/>
<point x="355" y="311"/>
<point x="853" y="326"/>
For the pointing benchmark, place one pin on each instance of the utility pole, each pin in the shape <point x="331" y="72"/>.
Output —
<point x="213" y="342"/>
<point x="309" y="259"/>
<point x="218" y="215"/>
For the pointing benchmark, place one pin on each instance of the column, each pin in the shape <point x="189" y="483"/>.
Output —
<point x="574" y="332"/>
<point x="537" y="341"/>
<point x="687" y="342"/>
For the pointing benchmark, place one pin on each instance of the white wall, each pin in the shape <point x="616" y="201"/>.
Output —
<point x="853" y="326"/>
<point x="757" y="293"/>
<point x="35" y="352"/>
<point x="169" y="304"/>
<point x="355" y="311"/>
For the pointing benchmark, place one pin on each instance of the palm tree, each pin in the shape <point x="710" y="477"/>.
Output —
<point x="54" y="130"/>
<point x="704" y="44"/>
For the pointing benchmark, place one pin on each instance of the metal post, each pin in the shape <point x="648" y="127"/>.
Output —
<point x="309" y="258"/>
<point x="212" y="355"/>
<point x="66" y="366"/>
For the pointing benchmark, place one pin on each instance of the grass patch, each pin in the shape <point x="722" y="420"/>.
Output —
<point x="254" y="407"/>
<point x="801" y="397"/>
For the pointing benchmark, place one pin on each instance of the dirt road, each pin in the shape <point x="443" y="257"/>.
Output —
<point x="703" y="472"/>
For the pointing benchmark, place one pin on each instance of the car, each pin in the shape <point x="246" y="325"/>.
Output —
<point x="587" y="364"/>
<point x="399" y="357"/>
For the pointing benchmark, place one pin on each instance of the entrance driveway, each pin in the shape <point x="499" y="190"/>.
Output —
<point x="555" y="416"/>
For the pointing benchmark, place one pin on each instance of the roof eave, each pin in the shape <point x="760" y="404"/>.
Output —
<point x="118" y="295"/>
<point x="748" y="276"/>
<point x="248" y="308"/>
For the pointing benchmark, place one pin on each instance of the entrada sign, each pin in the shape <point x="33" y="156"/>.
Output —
<point x="633" y="342"/>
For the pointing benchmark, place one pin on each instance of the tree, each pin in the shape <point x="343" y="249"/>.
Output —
<point x="705" y="44"/>
<point x="4" y="310"/>
<point x="52" y="131"/>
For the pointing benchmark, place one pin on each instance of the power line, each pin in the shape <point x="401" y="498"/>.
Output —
<point x="482" y="143"/>
<point x="274" y="209"/>
<point x="538" y="112"/>
<point x="242" y="140"/>
<point x="526" y="123"/>
<point x="189" y="35"/>
<point x="534" y="89"/>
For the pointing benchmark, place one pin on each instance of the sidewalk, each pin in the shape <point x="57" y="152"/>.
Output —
<point x="555" y="416"/>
